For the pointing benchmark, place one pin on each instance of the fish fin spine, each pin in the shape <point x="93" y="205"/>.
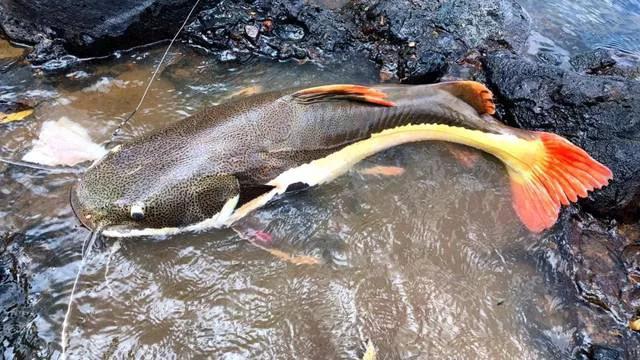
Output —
<point x="557" y="174"/>
<point x="343" y="92"/>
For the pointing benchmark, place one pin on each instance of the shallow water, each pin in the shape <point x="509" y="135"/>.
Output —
<point x="429" y="264"/>
<point x="562" y="28"/>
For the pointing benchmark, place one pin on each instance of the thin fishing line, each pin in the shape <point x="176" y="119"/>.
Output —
<point x="50" y="169"/>
<point x="155" y="73"/>
<point x="114" y="248"/>
<point x="91" y="239"/>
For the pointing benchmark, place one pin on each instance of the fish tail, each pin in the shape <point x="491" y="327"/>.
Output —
<point x="546" y="171"/>
<point x="555" y="173"/>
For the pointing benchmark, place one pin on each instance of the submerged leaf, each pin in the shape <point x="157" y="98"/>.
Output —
<point x="8" y="51"/>
<point x="16" y="116"/>
<point x="293" y="259"/>
<point x="383" y="170"/>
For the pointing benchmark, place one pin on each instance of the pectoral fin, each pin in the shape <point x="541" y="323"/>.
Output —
<point x="381" y="170"/>
<point x="253" y="229"/>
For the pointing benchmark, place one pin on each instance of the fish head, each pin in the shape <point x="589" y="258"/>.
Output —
<point x="133" y="195"/>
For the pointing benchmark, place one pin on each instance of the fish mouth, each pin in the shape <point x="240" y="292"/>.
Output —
<point x="130" y="230"/>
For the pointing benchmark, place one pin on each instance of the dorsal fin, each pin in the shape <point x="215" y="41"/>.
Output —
<point x="342" y="92"/>
<point x="471" y="92"/>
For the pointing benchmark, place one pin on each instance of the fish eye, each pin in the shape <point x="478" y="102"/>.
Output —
<point x="137" y="211"/>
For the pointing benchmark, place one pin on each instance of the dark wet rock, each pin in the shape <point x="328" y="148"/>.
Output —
<point x="290" y="32"/>
<point x="424" y="68"/>
<point x="251" y="31"/>
<point x="413" y="41"/>
<point x="222" y="31"/>
<point x="604" y="353"/>
<point x="91" y="27"/>
<point x="9" y="107"/>
<point x="410" y="40"/>
<point x="19" y="335"/>
<point x="595" y="249"/>
<point x="599" y="113"/>
<point x="631" y="260"/>
<point x="46" y="50"/>
<point x="593" y="62"/>
<point x="606" y="62"/>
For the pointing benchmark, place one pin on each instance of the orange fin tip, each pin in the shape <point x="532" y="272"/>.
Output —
<point x="473" y="93"/>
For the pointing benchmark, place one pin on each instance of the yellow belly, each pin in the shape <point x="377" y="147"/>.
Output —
<point x="508" y="148"/>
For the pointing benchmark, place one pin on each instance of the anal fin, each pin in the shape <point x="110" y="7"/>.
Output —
<point x="382" y="170"/>
<point x="342" y="92"/>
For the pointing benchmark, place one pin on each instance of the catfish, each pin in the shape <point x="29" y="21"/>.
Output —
<point x="215" y="167"/>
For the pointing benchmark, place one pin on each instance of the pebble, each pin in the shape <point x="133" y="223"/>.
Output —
<point x="251" y="31"/>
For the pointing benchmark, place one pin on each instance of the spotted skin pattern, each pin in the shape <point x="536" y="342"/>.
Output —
<point x="184" y="173"/>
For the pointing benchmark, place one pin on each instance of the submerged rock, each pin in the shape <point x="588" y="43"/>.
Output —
<point x="599" y="113"/>
<point x="600" y="259"/>
<point x="606" y="62"/>
<point x="19" y="334"/>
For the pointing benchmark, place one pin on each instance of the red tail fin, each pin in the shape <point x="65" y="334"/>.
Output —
<point x="546" y="171"/>
<point x="562" y="174"/>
